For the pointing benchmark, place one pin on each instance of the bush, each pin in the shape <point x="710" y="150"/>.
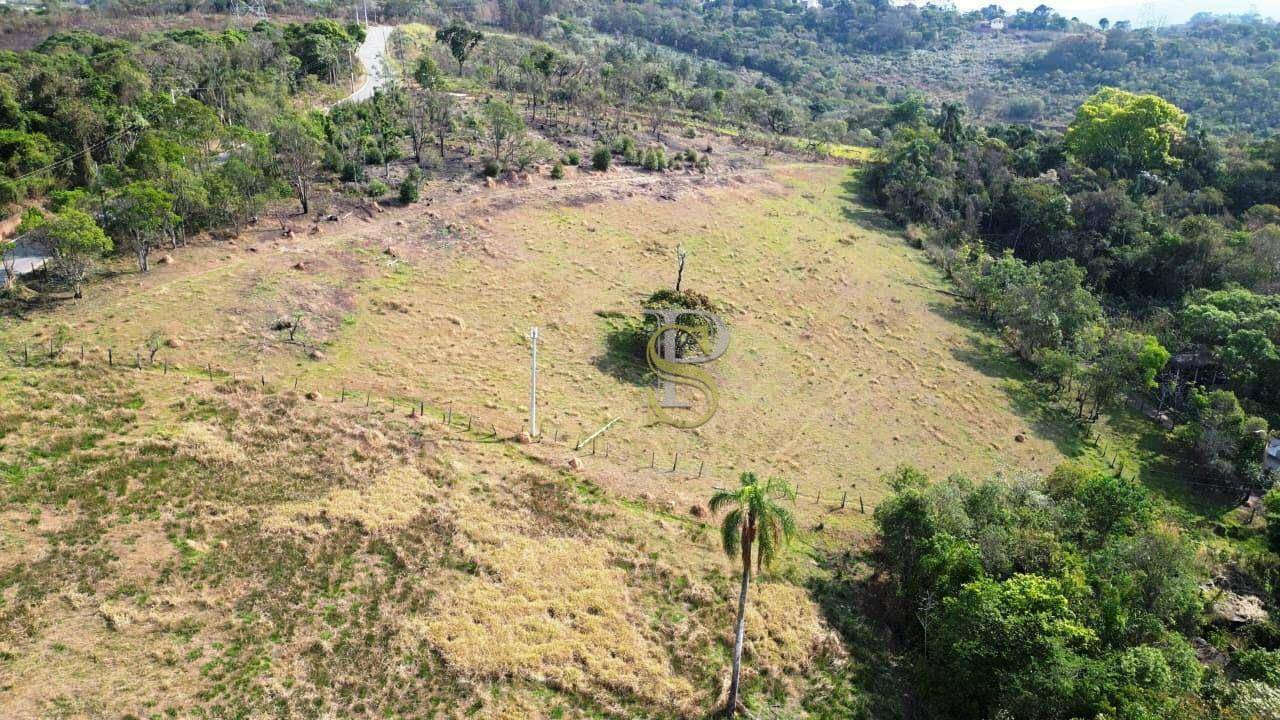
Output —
<point x="351" y="172"/>
<point x="573" y="158"/>
<point x="625" y="146"/>
<point x="557" y="171"/>
<point x="409" y="192"/>
<point x="1271" y="511"/>
<point x="1257" y="664"/>
<point x="654" y="159"/>
<point x="601" y="158"/>
<point x="491" y="168"/>
<point x="376" y="189"/>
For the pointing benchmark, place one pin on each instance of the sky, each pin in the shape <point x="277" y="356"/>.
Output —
<point x="1139" y="12"/>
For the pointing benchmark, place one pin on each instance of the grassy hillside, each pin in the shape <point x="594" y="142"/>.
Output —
<point x="235" y="547"/>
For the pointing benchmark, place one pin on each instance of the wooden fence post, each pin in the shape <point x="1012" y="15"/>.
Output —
<point x="861" y="507"/>
<point x="675" y="460"/>
<point x="844" y="496"/>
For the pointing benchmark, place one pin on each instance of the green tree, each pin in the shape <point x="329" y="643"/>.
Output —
<point x="1048" y="308"/>
<point x="1125" y="132"/>
<point x="1220" y="438"/>
<point x="1271" y="511"/>
<point x="757" y="522"/>
<point x="144" y="212"/>
<point x="503" y="130"/>
<point x="1007" y="644"/>
<point x="431" y="108"/>
<point x="428" y="75"/>
<point x="73" y="239"/>
<point x="460" y="39"/>
<point x="298" y="151"/>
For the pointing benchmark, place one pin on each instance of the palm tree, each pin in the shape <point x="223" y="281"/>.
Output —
<point x="757" y="519"/>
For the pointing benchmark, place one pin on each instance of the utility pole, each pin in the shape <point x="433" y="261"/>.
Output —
<point x="533" y="382"/>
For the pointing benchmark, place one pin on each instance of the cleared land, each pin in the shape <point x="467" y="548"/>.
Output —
<point x="214" y="547"/>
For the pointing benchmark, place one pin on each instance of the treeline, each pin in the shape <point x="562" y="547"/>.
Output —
<point x="1126" y="257"/>
<point x="1226" y="72"/>
<point x="111" y="144"/>
<point x="187" y="131"/>
<point x="1066" y="597"/>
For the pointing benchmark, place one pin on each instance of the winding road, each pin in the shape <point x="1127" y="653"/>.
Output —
<point x="372" y="54"/>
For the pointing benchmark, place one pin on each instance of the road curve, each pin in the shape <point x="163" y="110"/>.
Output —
<point x="372" y="54"/>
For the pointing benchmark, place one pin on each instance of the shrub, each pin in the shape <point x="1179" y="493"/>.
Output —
<point x="491" y="168"/>
<point x="654" y="159"/>
<point x="601" y="158"/>
<point x="1271" y="511"/>
<point x="573" y="158"/>
<point x="409" y="192"/>
<point x="1257" y="664"/>
<point x="351" y="172"/>
<point x="557" y="171"/>
<point x="626" y="147"/>
<point x="376" y="189"/>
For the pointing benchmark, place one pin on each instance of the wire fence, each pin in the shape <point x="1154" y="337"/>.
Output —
<point x="495" y="426"/>
<point x="453" y="415"/>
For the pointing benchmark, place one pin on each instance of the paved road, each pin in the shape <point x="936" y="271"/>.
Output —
<point x="26" y="257"/>
<point x="372" y="55"/>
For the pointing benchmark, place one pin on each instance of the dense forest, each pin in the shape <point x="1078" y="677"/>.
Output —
<point x="1108" y="250"/>
<point x="1128" y="261"/>
<point x="1062" y="597"/>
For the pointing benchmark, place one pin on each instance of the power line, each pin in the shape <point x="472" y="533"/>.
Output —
<point x="76" y="154"/>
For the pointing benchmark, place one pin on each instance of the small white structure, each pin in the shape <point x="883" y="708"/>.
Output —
<point x="1271" y="457"/>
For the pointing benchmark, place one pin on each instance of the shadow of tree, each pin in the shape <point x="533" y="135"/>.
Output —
<point x="623" y="355"/>
<point x="1030" y="398"/>
<point x="856" y="208"/>
<point x="872" y="683"/>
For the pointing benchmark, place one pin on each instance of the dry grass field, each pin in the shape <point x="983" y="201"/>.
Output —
<point x="174" y="547"/>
